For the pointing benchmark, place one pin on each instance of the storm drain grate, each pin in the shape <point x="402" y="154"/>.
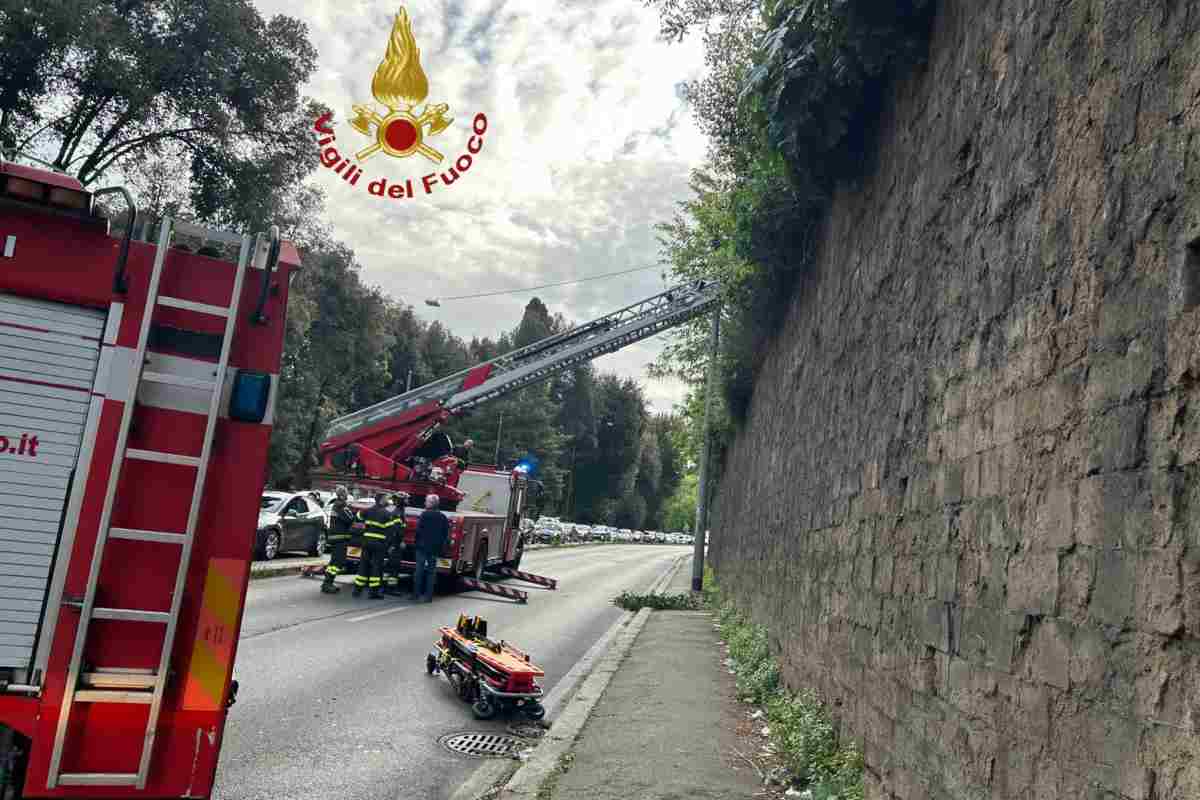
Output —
<point x="481" y="745"/>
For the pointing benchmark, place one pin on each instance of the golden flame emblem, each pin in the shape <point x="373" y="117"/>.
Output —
<point x="401" y="85"/>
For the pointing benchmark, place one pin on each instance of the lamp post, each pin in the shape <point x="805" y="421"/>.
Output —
<point x="499" y="430"/>
<point x="702" y="489"/>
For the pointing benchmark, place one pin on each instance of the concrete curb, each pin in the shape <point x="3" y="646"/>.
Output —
<point x="578" y="706"/>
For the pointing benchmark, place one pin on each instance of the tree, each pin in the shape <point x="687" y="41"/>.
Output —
<point x="94" y="86"/>
<point x="335" y="356"/>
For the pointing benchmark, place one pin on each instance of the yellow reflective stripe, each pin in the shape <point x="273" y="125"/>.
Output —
<point x="374" y="536"/>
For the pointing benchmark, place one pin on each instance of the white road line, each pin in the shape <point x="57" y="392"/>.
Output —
<point x="380" y="613"/>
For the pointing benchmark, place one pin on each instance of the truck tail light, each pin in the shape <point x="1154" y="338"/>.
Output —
<point x="26" y="190"/>
<point x="69" y="198"/>
<point x="59" y="196"/>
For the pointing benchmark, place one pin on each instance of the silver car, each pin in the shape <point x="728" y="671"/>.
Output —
<point x="289" y="521"/>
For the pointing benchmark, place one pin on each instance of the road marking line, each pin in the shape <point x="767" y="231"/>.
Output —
<point x="380" y="613"/>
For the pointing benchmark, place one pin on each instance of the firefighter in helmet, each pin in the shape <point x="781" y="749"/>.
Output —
<point x="377" y="533"/>
<point x="391" y="567"/>
<point x="341" y="520"/>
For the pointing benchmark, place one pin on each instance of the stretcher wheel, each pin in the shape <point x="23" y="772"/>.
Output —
<point x="483" y="708"/>
<point x="430" y="664"/>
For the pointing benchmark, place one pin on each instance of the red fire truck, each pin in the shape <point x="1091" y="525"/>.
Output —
<point x="397" y="445"/>
<point x="137" y="387"/>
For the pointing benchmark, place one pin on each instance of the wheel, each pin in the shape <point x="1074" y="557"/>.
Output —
<point x="480" y="561"/>
<point x="483" y="708"/>
<point x="430" y="664"/>
<point x="534" y="710"/>
<point x="268" y="544"/>
<point x="318" y="544"/>
<point x="516" y="562"/>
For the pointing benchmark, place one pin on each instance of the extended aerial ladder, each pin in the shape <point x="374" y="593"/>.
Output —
<point x="377" y="441"/>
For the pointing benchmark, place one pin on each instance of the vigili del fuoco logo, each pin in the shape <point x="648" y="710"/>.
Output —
<point x="400" y="85"/>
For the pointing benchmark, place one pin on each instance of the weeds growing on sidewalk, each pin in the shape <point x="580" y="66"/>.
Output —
<point x="801" y="728"/>
<point x="659" y="602"/>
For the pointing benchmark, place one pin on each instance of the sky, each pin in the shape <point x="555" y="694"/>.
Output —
<point x="588" y="145"/>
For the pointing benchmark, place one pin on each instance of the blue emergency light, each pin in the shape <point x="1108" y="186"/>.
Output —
<point x="250" y="395"/>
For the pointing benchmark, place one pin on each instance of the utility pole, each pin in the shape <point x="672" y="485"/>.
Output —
<point x="408" y="383"/>
<point x="499" y="430"/>
<point x="702" y="490"/>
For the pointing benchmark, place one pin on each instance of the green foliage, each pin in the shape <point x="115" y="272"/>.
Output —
<point x="788" y="102"/>
<point x="802" y="729"/>
<point x="659" y="602"/>
<point x="97" y="86"/>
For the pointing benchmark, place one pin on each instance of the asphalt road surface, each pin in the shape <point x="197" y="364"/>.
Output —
<point x="334" y="700"/>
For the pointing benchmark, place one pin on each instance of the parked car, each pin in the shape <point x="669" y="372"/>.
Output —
<point x="289" y="521"/>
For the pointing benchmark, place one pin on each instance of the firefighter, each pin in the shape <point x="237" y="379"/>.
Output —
<point x="377" y="533"/>
<point x="341" y="520"/>
<point x="391" y="567"/>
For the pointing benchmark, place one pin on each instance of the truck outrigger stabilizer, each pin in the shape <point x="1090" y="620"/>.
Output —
<point x="492" y="676"/>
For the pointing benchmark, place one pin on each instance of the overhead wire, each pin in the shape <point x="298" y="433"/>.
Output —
<point x="548" y="285"/>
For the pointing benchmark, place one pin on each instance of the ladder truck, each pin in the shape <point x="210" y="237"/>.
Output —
<point x="396" y="445"/>
<point x="137" y="388"/>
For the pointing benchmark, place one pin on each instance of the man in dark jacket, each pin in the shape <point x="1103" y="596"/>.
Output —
<point x="377" y="534"/>
<point x="341" y="518"/>
<point x="433" y="529"/>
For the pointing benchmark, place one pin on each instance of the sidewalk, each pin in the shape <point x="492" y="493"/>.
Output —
<point x="666" y="728"/>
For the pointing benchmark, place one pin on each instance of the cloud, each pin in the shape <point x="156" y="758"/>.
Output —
<point x="589" y="144"/>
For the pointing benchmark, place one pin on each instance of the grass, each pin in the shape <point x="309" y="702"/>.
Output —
<point x="802" y="729"/>
<point x="659" y="602"/>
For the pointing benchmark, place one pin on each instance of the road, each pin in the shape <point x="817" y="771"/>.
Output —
<point x="334" y="698"/>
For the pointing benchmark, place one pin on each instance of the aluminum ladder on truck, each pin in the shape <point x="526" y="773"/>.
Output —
<point x="125" y="685"/>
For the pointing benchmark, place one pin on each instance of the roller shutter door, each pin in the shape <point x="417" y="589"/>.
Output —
<point x="48" y="355"/>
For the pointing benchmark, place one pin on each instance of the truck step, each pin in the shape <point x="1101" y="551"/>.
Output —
<point x="146" y="536"/>
<point x="98" y="779"/>
<point x="118" y="679"/>
<point x="178" y="380"/>
<point x="162" y="458"/>
<point x="131" y="615"/>
<point x="113" y="696"/>
<point x="192" y="305"/>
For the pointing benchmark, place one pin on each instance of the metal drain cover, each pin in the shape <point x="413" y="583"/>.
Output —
<point x="481" y="745"/>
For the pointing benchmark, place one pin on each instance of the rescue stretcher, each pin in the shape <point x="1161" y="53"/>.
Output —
<point x="492" y="676"/>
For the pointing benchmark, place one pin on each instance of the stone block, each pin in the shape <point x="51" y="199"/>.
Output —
<point x="1117" y="439"/>
<point x="1114" y="379"/>
<point x="1004" y="420"/>
<point x="988" y="637"/>
<point x="1089" y="659"/>
<point x="1116" y="581"/>
<point x="1033" y="582"/>
<point x="1054" y="519"/>
<point x="1114" y="511"/>
<point x="991" y="472"/>
<point x="1076" y="582"/>
<point x="1159" y="591"/>
<point x="1048" y="659"/>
